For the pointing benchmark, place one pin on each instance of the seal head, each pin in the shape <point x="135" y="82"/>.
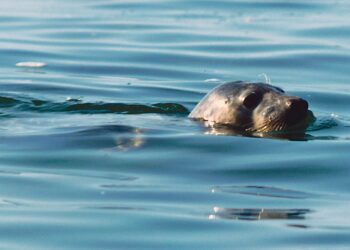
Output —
<point x="252" y="107"/>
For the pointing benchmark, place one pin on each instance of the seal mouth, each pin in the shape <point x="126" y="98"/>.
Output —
<point x="297" y="124"/>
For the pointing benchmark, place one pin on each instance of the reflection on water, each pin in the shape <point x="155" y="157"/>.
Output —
<point x="258" y="214"/>
<point x="136" y="141"/>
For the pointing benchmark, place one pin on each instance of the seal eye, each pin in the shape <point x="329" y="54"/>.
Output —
<point x="252" y="100"/>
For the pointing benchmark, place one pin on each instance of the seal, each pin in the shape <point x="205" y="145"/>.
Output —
<point x="253" y="107"/>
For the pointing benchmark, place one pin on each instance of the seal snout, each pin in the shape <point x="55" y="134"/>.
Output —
<point x="297" y="109"/>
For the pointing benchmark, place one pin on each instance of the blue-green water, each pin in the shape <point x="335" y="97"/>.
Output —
<point x="96" y="148"/>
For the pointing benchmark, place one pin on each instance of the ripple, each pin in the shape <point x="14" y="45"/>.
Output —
<point x="23" y="54"/>
<point x="323" y="123"/>
<point x="264" y="191"/>
<point x="116" y="208"/>
<point x="332" y="31"/>
<point x="10" y="203"/>
<point x="134" y="70"/>
<point x="251" y="4"/>
<point x="7" y="101"/>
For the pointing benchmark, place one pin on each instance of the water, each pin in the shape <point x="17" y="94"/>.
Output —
<point x="96" y="148"/>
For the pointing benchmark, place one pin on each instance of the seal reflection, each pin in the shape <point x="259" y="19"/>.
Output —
<point x="258" y="214"/>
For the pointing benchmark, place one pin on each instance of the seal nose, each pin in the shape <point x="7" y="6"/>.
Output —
<point x="298" y="105"/>
<point x="297" y="109"/>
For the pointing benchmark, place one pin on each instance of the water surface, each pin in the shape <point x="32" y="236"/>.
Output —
<point x="97" y="151"/>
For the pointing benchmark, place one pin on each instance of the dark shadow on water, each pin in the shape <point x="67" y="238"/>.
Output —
<point x="101" y="107"/>
<point x="300" y="226"/>
<point x="80" y="107"/>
